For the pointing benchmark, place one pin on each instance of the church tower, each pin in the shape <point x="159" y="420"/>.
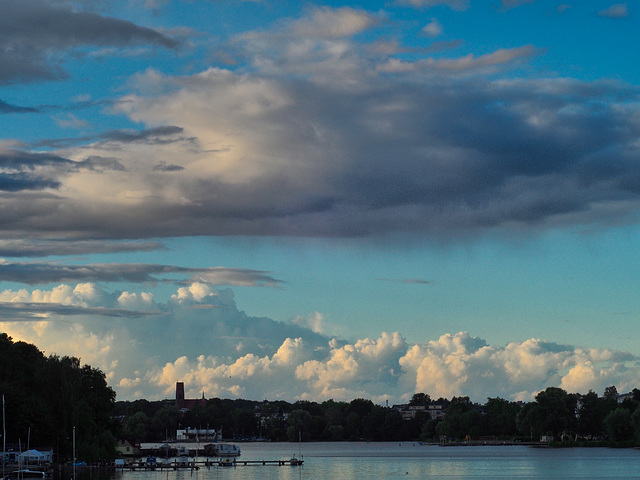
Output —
<point x="179" y="395"/>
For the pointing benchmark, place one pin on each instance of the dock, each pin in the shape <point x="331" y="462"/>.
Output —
<point x="196" y="465"/>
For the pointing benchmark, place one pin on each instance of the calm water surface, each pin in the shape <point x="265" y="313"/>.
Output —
<point x="392" y="461"/>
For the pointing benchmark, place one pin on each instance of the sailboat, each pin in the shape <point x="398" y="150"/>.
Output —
<point x="294" y="461"/>
<point x="21" y="472"/>
<point x="4" y="441"/>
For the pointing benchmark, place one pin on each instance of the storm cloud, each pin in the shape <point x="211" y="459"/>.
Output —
<point x="446" y="158"/>
<point x="32" y="32"/>
<point x="328" y="145"/>
<point x="40" y="273"/>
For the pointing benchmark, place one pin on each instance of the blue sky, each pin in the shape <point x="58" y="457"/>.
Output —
<point x="369" y="199"/>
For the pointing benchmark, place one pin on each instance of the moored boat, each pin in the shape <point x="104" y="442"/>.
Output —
<point x="226" y="450"/>
<point x="25" y="473"/>
<point x="183" y="457"/>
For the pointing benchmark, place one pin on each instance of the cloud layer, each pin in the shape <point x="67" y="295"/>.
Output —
<point x="318" y="134"/>
<point x="36" y="31"/>
<point x="32" y="273"/>
<point x="231" y="355"/>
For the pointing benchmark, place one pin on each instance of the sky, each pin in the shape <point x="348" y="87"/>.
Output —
<point x="324" y="200"/>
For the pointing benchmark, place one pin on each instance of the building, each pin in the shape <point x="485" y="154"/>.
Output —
<point x="36" y="457"/>
<point x="184" y="404"/>
<point x="126" y="447"/>
<point x="408" y="412"/>
<point x="196" y="434"/>
<point x="436" y="411"/>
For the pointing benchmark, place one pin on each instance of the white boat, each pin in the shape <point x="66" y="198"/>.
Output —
<point x="226" y="450"/>
<point x="295" y="461"/>
<point x="183" y="457"/>
<point x="25" y="473"/>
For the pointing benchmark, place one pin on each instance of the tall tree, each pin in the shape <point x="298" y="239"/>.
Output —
<point x="553" y="413"/>
<point x="618" y="425"/>
<point x="500" y="417"/>
<point x="611" y="392"/>
<point x="420" y="399"/>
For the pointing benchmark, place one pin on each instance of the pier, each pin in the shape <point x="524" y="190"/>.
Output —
<point x="196" y="465"/>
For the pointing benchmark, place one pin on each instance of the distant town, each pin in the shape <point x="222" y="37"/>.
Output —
<point x="554" y="418"/>
<point x="60" y="411"/>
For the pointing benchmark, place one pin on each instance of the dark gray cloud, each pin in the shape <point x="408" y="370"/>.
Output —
<point x="154" y="136"/>
<point x="13" y="182"/>
<point x="43" y="248"/>
<point x="97" y="163"/>
<point x="8" y="108"/>
<point x="359" y="144"/>
<point x="33" y="31"/>
<point x="448" y="158"/>
<point x="163" y="167"/>
<point x="23" y="171"/>
<point x="22" y="160"/>
<point x="41" y="273"/>
<point x="28" y="311"/>
<point x="417" y="281"/>
<point x="159" y="135"/>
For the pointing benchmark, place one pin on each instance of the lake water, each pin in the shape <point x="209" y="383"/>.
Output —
<point x="393" y="461"/>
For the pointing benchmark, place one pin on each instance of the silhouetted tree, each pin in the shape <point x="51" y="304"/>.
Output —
<point x="553" y="413"/>
<point x="591" y="413"/>
<point x="500" y="417"/>
<point x="299" y="423"/>
<point x="618" y="424"/>
<point x="420" y="399"/>
<point x="611" y="392"/>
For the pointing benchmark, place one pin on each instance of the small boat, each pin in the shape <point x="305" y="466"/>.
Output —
<point x="295" y="461"/>
<point x="183" y="457"/>
<point x="227" y="462"/>
<point x="226" y="450"/>
<point x="25" y="473"/>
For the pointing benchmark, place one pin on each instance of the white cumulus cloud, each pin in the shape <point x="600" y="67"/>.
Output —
<point x="210" y="345"/>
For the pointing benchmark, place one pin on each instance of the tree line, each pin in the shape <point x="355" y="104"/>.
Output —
<point x="556" y="415"/>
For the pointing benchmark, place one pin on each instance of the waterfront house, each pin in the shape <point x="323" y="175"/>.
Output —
<point x="127" y="448"/>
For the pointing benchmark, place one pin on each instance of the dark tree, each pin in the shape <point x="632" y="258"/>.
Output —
<point x="299" y="424"/>
<point x="456" y="423"/>
<point x="420" y="399"/>
<point x="500" y="419"/>
<point x="591" y="413"/>
<point x="611" y="392"/>
<point x="553" y="413"/>
<point x="618" y="425"/>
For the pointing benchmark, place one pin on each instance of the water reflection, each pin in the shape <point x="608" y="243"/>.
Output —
<point x="361" y="461"/>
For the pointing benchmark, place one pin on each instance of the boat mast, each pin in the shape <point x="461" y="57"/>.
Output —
<point x="74" y="453"/>
<point x="4" y="440"/>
